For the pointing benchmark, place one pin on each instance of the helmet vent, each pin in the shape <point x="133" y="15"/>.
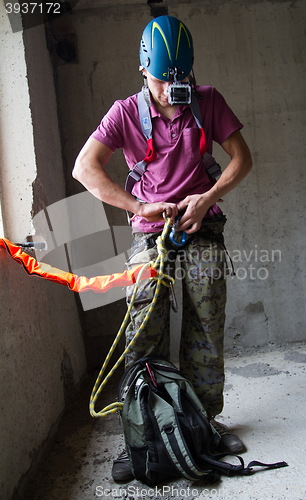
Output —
<point x="143" y="46"/>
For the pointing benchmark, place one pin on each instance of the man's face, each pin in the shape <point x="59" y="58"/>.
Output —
<point x="158" y="89"/>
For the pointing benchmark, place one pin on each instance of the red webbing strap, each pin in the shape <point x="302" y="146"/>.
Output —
<point x="196" y="111"/>
<point x="202" y="141"/>
<point x="151" y="153"/>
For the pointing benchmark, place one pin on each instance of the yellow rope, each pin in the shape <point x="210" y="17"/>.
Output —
<point x="160" y="278"/>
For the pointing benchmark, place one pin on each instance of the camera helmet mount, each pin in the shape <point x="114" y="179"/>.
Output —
<point x="178" y="92"/>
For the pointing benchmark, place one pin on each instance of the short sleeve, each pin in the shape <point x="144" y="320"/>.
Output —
<point x="110" y="132"/>
<point x="224" y="120"/>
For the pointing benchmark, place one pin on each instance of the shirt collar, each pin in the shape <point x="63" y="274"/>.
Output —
<point x="180" y="110"/>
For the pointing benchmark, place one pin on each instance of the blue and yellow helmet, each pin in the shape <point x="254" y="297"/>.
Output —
<point x="166" y="47"/>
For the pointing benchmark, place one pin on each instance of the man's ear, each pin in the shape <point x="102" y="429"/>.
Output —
<point x="143" y="71"/>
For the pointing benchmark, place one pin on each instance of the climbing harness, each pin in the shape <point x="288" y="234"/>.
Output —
<point x="139" y="169"/>
<point x="161" y="279"/>
<point x="135" y="174"/>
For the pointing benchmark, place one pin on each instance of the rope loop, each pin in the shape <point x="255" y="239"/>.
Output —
<point x="164" y="278"/>
<point x="161" y="279"/>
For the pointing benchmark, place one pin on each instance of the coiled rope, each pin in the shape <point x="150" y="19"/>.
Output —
<point x="161" y="279"/>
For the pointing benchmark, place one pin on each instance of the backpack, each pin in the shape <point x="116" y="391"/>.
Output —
<point x="166" y="429"/>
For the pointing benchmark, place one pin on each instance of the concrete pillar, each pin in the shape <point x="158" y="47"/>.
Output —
<point x="41" y="346"/>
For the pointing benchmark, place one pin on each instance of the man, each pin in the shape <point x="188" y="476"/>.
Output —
<point x="174" y="182"/>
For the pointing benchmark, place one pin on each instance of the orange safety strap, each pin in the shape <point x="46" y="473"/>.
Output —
<point x="97" y="284"/>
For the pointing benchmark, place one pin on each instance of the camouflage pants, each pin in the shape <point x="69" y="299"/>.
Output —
<point x="203" y="270"/>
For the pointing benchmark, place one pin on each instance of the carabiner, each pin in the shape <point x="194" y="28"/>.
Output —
<point x="178" y="238"/>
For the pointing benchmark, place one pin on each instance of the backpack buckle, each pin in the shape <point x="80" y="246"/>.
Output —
<point x="151" y="375"/>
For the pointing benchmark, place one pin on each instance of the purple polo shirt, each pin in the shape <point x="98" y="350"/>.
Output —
<point x="178" y="170"/>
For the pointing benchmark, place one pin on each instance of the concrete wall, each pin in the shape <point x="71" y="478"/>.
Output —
<point x="253" y="52"/>
<point x="41" y="346"/>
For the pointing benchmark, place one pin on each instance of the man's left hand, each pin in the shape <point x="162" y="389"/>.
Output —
<point x="196" y="206"/>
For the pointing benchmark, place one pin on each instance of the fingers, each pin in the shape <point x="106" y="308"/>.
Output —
<point x="182" y="205"/>
<point x="154" y="212"/>
<point x="193" y="228"/>
<point x="188" y="226"/>
<point x="189" y="222"/>
<point x="170" y="212"/>
<point x="191" y="219"/>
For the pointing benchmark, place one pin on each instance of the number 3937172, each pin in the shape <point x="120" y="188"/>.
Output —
<point x="33" y="7"/>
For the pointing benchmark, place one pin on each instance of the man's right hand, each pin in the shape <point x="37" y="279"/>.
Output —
<point x="155" y="212"/>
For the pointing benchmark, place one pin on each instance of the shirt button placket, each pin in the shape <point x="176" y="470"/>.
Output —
<point x="172" y="131"/>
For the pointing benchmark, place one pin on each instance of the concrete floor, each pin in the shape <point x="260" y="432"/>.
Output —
<point x="264" y="404"/>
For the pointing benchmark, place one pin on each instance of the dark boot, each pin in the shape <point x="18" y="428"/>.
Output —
<point x="122" y="470"/>
<point x="229" y="443"/>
